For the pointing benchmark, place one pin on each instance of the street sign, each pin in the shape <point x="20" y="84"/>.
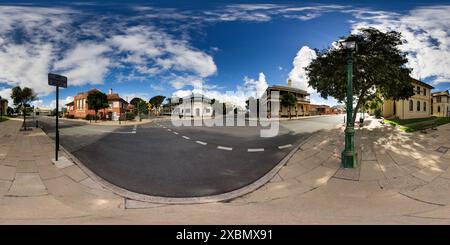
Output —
<point x="57" y="80"/>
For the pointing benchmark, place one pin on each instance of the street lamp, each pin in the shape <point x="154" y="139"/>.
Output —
<point x="348" y="156"/>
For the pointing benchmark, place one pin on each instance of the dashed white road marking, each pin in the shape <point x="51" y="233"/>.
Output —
<point x="175" y="133"/>
<point x="186" y="137"/>
<point x="224" y="148"/>
<point x="255" y="149"/>
<point x="284" y="146"/>
<point x="201" y="142"/>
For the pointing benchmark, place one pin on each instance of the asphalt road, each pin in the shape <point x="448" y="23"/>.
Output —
<point x="163" y="160"/>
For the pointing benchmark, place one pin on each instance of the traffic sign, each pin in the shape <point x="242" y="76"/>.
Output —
<point x="57" y="80"/>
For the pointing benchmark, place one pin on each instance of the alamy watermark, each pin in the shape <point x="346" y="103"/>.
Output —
<point x="196" y="111"/>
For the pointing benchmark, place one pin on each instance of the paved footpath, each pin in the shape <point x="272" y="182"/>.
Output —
<point x="402" y="178"/>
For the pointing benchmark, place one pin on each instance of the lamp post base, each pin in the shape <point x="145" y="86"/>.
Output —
<point x="348" y="159"/>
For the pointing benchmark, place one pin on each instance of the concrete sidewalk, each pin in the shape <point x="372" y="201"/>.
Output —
<point x="403" y="178"/>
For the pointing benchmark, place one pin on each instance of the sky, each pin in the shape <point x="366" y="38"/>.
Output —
<point x="227" y="50"/>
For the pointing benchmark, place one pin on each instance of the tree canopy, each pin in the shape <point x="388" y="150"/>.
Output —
<point x="157" y="100"/>
<point x="97" y="100"/>
<point x="135" y="101"/>
<point x="288" y="100"/>
<point x="22" y="99"/>
<point x="378" y="68"/>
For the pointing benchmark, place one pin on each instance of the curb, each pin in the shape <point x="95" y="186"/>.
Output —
<point x="187" y="200"/>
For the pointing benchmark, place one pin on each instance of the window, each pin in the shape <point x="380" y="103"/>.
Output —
<point x="418" y="90"/>
<point x="439" y="109"/>
<point x="418" y="105"/>
<point x="438" y="99"/>
<point x="425" y="106"/>
<point x="411" y="105"/>
<point x="207" y="110"/>
<point x="188" y="110"/>
<point x="425" y="91"/>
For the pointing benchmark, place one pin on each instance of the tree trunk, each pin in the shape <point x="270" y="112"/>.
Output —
<point x="355" y="111"/>
<point x="24" y="117"/>
<point x="289" y="111"/>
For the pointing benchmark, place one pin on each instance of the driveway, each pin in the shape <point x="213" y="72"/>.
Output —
<point x="160" y="159"/>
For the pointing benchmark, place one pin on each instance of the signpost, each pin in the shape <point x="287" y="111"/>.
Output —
<point x="57" y="81"/>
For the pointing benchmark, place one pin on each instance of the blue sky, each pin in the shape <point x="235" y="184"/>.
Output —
<point x="227" y="49"/>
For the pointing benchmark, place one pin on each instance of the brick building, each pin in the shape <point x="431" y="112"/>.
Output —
<point x="78" y="108"/>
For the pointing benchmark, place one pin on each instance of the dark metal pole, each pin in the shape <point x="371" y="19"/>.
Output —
<point x="57" y="118"/>
<point x="348" y="156"/>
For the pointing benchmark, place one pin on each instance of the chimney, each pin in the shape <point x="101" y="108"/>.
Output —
<point x="290" y="83"/>
<point x="110" y="91"/>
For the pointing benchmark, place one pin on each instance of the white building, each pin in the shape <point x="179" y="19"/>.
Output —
<point x="195" y="105"/>
<point x="41" y="111"/>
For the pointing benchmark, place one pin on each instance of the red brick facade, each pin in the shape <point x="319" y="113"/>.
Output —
<point x="78" y="108"/>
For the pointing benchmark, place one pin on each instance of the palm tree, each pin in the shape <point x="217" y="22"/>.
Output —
<point x="288" y="100"/>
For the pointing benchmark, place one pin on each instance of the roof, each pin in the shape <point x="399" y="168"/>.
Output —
<point x="441" y="93"/>
<point x="320" y="106"/>
<point x="422" y="83"/>
<point x="110" y="97"/>
<point x="287" y="88"/>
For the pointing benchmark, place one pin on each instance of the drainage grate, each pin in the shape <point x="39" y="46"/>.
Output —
<point x="442" y="149"/>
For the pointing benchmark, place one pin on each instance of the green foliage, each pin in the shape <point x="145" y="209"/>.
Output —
<point x="129" y="116"/>
<point x="288" y="100"/>
<point x="10" y="111"/>
<point x="415" y="124"/>
<point x="135" y="101"/>
<point x="97" y="100"/>
<point x="156" y="101"/>
<point x="91" y="117"/>
<point x="377" y="113"/>
<point x="142" y="107"/>
<point x="22" y="99"/>
<point x="378" y="67"/>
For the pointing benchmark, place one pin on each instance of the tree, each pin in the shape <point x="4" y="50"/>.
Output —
<point x="97" y="100"/>
<point x="22" y="99"/>
<point x="288" y="100"/>
<point x="135" y="101"/>
<point x="142" y="108"/>
<point x="156" y="101"/>
<point x="10" y="111"/>
<point x="378" y="67"/>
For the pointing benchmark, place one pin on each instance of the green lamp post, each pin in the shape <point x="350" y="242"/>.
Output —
<point x="348" y="155"/>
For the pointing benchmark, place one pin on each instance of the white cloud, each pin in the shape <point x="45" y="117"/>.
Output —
<point x="153" y="52"/>
<point x="85" y="64"/>
<point x="256" y="87"/>
<point x="250" y="88"/>
<point x="5" y="93"/>
<point x="298" y="74"/>
<point x="52" y="104"/>
<point x="300" y="80"/>
<point x="129" y="96"/>
<point x="426" y="30"/>
<point x="26" y="65"/>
